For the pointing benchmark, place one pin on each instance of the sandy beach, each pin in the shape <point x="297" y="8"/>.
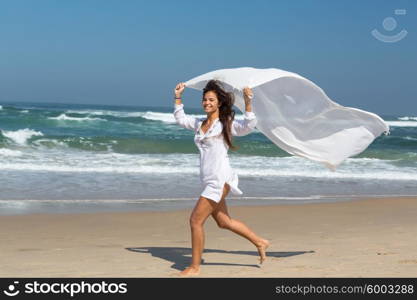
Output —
<point x="360" y="238"/>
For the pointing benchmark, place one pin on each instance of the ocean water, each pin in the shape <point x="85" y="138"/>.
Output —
<point x="82" y="158"/>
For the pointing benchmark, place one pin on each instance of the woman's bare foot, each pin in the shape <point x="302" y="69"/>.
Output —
<point x="190" y="271"/>
<point x="262" y="250"/>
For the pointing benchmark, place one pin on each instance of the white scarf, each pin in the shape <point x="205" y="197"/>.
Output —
<point x="297" y="116"/>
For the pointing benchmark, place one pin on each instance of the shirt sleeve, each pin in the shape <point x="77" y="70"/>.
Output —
<point x="184" y="120"/>
<point x="245" y="126"/>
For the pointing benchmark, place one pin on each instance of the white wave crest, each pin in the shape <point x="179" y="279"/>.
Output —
<point x="402" y="123"/>
<point x="167" y="117"/>
<point x="155" y="116"/>
<point x="119" y="114"/>
<point x="1" y="107"/>
<point x="54" y="160"/>
<point x="407" y="118"/>
<point x="94" y="169"/>
<point x="64" y="117"/>
<point x="9" y="152"/>
<point x="21" y="136"/>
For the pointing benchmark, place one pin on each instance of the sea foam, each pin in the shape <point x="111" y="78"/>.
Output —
<point x="407" y="118"/>
<point x="21" y="136"/>
<point x="402" y="123"/>
<point x="64" y="117"/>
<point x="113" y="113"/>
<point x="10" y="152"/>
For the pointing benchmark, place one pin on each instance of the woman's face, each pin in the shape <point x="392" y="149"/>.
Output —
<point x="210" y="102"/>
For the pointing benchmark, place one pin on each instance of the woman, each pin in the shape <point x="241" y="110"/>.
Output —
<point x="213" y="137"/>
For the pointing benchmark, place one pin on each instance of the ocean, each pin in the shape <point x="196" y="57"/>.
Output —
<point x="63" y="158"/>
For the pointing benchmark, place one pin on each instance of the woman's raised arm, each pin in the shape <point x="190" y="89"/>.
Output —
<point x="181" y="118"/>
<point x="245" y="126"/>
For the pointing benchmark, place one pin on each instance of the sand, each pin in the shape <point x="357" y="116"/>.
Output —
<point x="361" y="238"/>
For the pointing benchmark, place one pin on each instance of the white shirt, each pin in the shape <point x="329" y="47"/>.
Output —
<point x="215" y="168"/>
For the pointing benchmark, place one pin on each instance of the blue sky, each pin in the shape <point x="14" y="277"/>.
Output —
<point x="134" y="52"/>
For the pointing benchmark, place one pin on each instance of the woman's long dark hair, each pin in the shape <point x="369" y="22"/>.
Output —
<point x="226" y="113"/>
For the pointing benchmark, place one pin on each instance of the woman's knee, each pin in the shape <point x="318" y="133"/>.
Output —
<point x="201" y="212"/>
<point x="196" y="221"/>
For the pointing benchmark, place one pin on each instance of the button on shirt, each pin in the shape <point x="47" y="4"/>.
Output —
<point x="215" y="168"/>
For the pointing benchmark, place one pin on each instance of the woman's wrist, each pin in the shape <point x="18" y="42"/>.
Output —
<point x="248" y="105"/>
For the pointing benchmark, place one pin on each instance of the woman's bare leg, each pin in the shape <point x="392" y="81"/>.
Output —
<point x="201" y="212"/>
<point x="223" y="220"/>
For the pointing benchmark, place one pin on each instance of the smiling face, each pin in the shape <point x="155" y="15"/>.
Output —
<point x="210" y="102"/>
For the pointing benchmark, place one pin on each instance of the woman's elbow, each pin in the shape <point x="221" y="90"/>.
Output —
<point x="180" y="122"/>
<point x="252" y="124"/>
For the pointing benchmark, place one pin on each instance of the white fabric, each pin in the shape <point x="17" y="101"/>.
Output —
<point x="297" y="115"/>
<point x="215" y="168"/>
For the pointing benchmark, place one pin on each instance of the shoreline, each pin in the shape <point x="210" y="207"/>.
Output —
<point x="364" y="238"/>
<point x="28" y="207"/>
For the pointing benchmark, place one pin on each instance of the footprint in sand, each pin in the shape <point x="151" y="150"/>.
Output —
<point x="385" y="253"/>
<point x="408" y="261"/>
<point x="29" y="249"/>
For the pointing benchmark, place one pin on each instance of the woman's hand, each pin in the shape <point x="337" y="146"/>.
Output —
<point x="179" y="89"/>
<point x="247" y="93"/>
<point x="247" y="96"/>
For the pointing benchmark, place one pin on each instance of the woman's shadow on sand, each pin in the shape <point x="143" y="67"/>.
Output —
<point x="181" y="257"/>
